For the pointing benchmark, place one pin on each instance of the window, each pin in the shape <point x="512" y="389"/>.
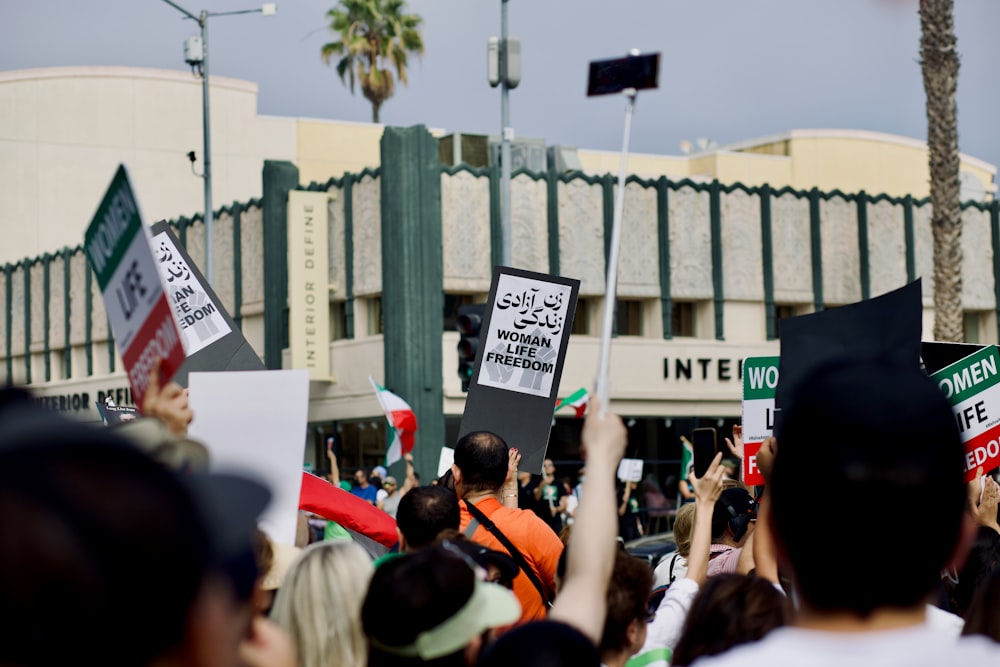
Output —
<point x="971" y="327"/>
<point x="628" y="318"/>
<point x="338" y="320"/>
<point x="581" y="321"/>
<point x="780" y="313"/>
<point x="682" y="319"/>
<point x="376" y="324"/>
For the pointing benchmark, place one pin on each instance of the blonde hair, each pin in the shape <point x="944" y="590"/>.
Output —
<point x="319" y="604"/>
<point x="684" y="529"/>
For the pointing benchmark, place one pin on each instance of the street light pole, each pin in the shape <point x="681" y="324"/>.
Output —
<point x="506" y="136"/>
<point x="207" y="159"/>
<point x="267" y="9"/>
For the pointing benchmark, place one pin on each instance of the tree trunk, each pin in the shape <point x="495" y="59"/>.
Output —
<point x="375" y="110"/>
<point x="939" y="65"/>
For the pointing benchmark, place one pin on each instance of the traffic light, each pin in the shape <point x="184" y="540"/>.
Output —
<point x="469" y="324"/>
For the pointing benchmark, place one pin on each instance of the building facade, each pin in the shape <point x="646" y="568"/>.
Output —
<point x="709" y="269"/>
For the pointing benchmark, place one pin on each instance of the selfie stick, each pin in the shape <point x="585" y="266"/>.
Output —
<point x="602" y="383"/>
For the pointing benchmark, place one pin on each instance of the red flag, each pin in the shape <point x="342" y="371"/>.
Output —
<point x="330" y="502"/>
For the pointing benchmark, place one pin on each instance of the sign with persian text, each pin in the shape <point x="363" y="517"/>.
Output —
<point x="118" y="248"/>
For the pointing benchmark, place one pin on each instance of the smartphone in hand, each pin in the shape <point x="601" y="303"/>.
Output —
<point x="705" y="446"/>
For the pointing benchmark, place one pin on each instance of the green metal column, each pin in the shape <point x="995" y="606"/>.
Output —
<point x="767" y="261"/>
<point x="715" y="221"/>
<point x="863" y="260"/>
<point x="279" y="178"/>
<point x="663" y="223"/>
<point x="413" y="283"/>
<point x="816" y="243"/>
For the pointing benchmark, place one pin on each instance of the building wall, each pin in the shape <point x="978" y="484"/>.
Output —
<point x="63" y="132"/>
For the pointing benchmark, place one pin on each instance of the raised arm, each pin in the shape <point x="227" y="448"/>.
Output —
<point x="334" y="468"/>
<point x="411" y="476"/>
<point x="583" y="599"/>
<point x="510" y="485"/>
<point x="706" y="491"/>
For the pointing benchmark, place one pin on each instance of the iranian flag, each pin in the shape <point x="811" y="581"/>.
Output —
<point x="402" y="422"/>
<point x="687" y="463"/>
<point x="577" y="400"/>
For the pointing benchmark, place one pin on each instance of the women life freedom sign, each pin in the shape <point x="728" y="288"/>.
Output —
<point x="526" y="331"/>
<point x="972" y="386"/>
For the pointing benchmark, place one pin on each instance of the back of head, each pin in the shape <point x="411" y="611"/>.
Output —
<point x="734" y="510"/>
<point x="426" y="608"/>
<point x="482" y="457"/>
<point x="425" y="512"/>
<point x="542" y="644"/>
<point x="102" y="551"/>
<point x="729" y="610"/>
<point x="867" y="454"/>
<point x="627" y="598"/>
<point x="684" y="528"/>
<point x="319" y="603"/>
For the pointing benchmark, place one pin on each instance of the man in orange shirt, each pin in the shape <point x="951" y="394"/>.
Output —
<point x="480" y="470"/>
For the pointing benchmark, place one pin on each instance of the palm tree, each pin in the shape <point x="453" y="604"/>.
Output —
<point x="939" y="65"/>
<point x="374" y="38"/>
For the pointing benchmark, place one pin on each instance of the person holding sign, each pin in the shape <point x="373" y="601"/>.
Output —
<point x="898" y="449"/>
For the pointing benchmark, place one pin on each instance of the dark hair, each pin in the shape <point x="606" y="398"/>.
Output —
<point x="628" y="592"/>
<point x="983" y="561"/>
<point x="729" y="610"/>
<point x="424" y="512"/>
<point x="541" y="644"/>
<point x="483" y="458"/>
<point x="733" y="510"/>
<point x="981" y="617"/>
<point x="885" y="440"/>
<point x="410" y="595"/>
<point x="94" y="535"/>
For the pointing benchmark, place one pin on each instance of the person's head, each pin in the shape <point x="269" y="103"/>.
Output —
<point x="390" y="485"/>
<point x="542" y="644"/>
<point x="884" y="440"/>
<point x="729" y="610"/>
<point x="684" y="529"/>
<point x="628" y="612"/>
<point x="481" y="460"/>
<point x="102" y="551"/>
<point x="733" y="516"/>
<point x="548" y="467"/>
<point x="379" y="472"/>
<point x="497" y="567"/>
<point x="423" y="513"/>
<point x="319" y="604"/>
<point x="429" y="608"/>
<point x="360" y="478"/>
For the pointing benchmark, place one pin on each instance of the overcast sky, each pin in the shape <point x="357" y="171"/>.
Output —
<point x="732" y="69"/>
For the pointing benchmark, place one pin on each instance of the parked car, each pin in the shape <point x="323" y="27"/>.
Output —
<point x="652" y="548"/>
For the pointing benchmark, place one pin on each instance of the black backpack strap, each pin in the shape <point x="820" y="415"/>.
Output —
<point x="487" y="523"/>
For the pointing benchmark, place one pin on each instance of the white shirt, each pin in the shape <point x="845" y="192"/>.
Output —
<point x="916" y="646"/>
<point x="665" y="629"/>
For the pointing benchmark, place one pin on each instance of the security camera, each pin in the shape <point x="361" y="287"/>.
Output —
<point x="192" y="157"/>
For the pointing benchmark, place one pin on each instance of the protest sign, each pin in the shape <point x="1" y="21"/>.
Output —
<point x="117" y="245"/>
<point x="630" y="470"/>
<point x="519" y="361"/>
<point x="760" y="380"/>
<point x="212" y="339"/>
<point x="972" y="386"/>
<point x="116" y="414"/>
<point x="445" y="459"/>
<point x="255" y="424"/>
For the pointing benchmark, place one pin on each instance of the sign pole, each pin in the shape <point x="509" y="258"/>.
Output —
<point x="602" y="388"/>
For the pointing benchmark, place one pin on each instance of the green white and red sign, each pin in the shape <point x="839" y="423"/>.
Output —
<point x="118" y="247"/>
<point x="972" y="386"/>
<point x="760" y="380"/>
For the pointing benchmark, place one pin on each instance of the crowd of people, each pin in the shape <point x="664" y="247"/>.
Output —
<point x="864" y="547"/>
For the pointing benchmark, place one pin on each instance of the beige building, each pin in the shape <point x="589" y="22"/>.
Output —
<point x="718" y="247"/>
